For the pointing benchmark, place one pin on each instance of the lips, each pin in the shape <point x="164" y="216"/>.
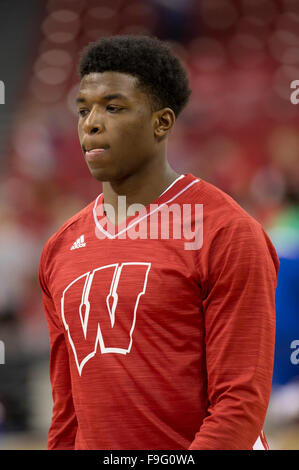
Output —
<point x="93" y="147"/>
<point x="94" y="151"/>
<point x="95" y="155"/>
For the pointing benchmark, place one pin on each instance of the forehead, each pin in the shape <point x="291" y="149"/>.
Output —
<point x="109" y="83"/>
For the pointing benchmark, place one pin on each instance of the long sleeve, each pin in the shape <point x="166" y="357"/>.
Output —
<point x="63" y="428"/>
<point x="239" y="318"/>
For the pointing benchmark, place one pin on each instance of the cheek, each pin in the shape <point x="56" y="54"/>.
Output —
<point x="80" y="133"/>
<point x="138" y="134"/>
<point x="123" y="138"/>
<point x="134" y="144"/>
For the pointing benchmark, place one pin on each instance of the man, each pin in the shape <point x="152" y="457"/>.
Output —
<point x="155" y="343"/>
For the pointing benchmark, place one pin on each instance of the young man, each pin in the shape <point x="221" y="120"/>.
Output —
<point x="155" y="343"/>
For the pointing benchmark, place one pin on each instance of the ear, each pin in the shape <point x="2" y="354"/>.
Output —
<point x="164" y="119"/>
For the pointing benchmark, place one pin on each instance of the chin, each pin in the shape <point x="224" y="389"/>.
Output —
<point x="100" y="174"/>
<point x="103" y="174"/>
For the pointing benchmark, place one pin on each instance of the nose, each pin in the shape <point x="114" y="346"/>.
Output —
<point x="92" y="124"/>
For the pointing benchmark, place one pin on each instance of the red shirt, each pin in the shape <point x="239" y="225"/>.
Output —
<point x="154" y="345"/>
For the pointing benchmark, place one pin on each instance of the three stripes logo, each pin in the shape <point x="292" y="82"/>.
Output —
<point x="79" y="243"/>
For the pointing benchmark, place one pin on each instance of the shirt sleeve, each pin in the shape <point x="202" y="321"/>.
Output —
<point x="63" y="428"/>
<point x="239" y="317"/>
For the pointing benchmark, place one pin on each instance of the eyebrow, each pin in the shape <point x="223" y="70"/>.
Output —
<point x="106" y="97"/>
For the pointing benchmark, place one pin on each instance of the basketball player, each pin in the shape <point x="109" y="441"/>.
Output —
<point x="156" y="343"/>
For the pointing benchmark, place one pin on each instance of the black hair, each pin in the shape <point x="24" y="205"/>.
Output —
<point x="159" y="72"/>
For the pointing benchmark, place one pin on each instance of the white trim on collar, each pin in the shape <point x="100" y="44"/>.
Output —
<point x="99" y="226"/>
<point x="178" y="178"/>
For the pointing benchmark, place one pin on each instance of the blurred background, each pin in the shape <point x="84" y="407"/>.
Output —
<point x="240" y="131"/>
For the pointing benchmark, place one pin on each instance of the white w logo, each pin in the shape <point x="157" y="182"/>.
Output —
<point x="99" y="309"/>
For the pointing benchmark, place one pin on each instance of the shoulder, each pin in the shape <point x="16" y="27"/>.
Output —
<point x="226" y="224"/>
<point x="219" y="209"/>
<point x="229" y="231"/>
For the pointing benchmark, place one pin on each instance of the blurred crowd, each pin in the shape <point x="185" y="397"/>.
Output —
<point x="240" y="131"/>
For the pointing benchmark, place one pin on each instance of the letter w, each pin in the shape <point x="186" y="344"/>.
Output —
<point x="99" y="309"/>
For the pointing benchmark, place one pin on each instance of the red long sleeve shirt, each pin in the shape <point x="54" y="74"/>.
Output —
<point x="155" y="345"/>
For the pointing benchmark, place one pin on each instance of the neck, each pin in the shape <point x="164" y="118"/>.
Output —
<point x="142" y="187"/>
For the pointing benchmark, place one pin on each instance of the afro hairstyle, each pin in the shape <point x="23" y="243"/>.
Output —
<point x="159" y="72"/>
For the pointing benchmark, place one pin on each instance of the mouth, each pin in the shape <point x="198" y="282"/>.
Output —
<point x="94" y="151"/>
<point x="88" y="148"/>
<point x="94" y="154"/>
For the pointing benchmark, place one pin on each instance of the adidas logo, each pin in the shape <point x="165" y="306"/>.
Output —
<point x="79" y="243"/>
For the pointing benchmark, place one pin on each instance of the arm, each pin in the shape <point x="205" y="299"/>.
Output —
<point x="239" y="315"/>
<point x="63" y="429"/>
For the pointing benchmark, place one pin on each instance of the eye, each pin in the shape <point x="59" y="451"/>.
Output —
<point x="82" y="112"/>
<point x="113" y="109"/>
